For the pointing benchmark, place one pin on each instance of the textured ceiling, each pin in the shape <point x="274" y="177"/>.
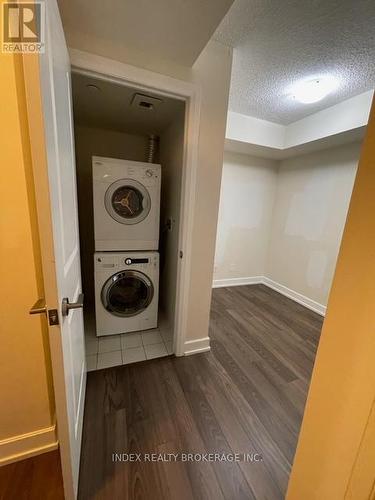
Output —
<point x="278" y="42"/>
<point x="164" y="30"/>
<point x="111" y="107"/>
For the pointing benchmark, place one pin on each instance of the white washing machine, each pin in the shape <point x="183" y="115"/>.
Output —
<point x="126" y="291"/>
<point x="126" y="204"/>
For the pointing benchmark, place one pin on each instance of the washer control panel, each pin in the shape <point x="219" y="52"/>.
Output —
<point x="107" y="260"/>
<point x="128" y="261"/>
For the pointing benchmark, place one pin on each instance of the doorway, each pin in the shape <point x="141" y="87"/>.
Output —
<point x="115" y="121"/>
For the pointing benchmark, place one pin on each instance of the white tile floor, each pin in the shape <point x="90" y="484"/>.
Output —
<point x="115" y="350"/>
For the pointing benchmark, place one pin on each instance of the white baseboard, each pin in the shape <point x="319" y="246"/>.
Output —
<point x="253" y="280"/>
<point x="297" y="297"/>
<point x="28" y="445"/>
<point x="196" y="346"/>
<point x="291" y="294"/>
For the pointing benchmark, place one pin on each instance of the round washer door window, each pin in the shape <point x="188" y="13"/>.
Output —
<point x="127" y="293"/>
<point x="127" y="201"/>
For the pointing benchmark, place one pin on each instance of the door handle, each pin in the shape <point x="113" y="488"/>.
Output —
<point x="66" y="305"/>
<point x="39" y="307"/>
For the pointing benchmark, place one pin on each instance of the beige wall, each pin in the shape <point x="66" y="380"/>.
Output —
<point x="284" y="219"/>
<point x="171" y="159"/>
<point x="25" y="378"/>
<point x="247" y="196"/>
<point x="312" y="200"/>
<point x="90" y="142"/>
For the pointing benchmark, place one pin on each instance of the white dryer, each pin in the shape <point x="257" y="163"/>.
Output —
<point x="126" y="204"/>
<point x="126" y="291"/>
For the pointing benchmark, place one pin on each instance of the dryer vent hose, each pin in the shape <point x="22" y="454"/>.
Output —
<point x="153" y="141"/>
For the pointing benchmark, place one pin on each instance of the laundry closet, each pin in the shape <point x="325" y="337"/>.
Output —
<point x="129" y="147"/>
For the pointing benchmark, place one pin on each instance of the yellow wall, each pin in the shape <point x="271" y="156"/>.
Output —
<point x="362" y="476"/>
<point x="343" y="383"/>
<point x="25" y="376"/>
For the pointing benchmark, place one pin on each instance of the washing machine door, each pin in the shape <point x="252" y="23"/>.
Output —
<point x="127" y="293"/>
<point x="127" y="201"/>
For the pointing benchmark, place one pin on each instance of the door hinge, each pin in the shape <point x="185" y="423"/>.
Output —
<point x="181" y="254"/>
<point x="53" y="317"/>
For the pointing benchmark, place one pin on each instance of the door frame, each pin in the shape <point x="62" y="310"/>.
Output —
<point x="146" y="80"/>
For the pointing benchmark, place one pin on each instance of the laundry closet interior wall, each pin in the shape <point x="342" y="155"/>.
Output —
<point x="107" y="123"/>
<point x="171" y="159"/>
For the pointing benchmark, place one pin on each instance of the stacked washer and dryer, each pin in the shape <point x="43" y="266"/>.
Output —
<point x="126" y="260"/>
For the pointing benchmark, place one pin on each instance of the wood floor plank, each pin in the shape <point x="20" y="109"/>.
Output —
<point x="280" y="313"/>
<point x="258" y="375"/>
<point x="229" y="474"/>
<point x="258" y="437"/>
<point x="257" y="474"/>
<point x="284" y="355"/>
<point x="275" y="426"/>
<point x="35" y="478"/>
<point x="247" y="394"/>
<point x="202" y="476"/>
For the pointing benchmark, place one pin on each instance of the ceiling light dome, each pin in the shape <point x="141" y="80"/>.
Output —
<point x="312" y="90"/>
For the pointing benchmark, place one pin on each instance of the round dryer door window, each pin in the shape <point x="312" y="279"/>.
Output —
<point x="127" y="293"/>
<point x="127" y="201"/>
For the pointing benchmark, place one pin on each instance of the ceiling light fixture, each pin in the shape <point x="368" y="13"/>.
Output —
<point x="313" y="89"/>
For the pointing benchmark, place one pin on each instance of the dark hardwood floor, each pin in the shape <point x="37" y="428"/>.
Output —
<point x="245" y="396"/>
<point x="36" y="478"/>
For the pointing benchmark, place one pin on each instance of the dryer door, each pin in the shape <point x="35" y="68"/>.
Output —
<point x="127" y="293"/>
<point x="127" y="201"/>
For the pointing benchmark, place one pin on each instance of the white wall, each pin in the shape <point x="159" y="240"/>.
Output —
<point x="100" y="142"/>
<point x="211" y="72"/>
<point x="143" y="33"/>
<point x="171" y="159"/>
<point x="247" y="195"/>
<point x="292" y="214"/>
<point x="350" y="115"/>
<point x="248" y="129"/>
<point x="312" y="200"/>
<point x="347" y="115"/>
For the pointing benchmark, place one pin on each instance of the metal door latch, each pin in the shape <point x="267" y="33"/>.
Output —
<point x="40" y="307"/>
<point x="66" y="305"/>
<point x="53" y="317"/>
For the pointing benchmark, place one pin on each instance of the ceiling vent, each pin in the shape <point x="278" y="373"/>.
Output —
<point x="145" y="102"/>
